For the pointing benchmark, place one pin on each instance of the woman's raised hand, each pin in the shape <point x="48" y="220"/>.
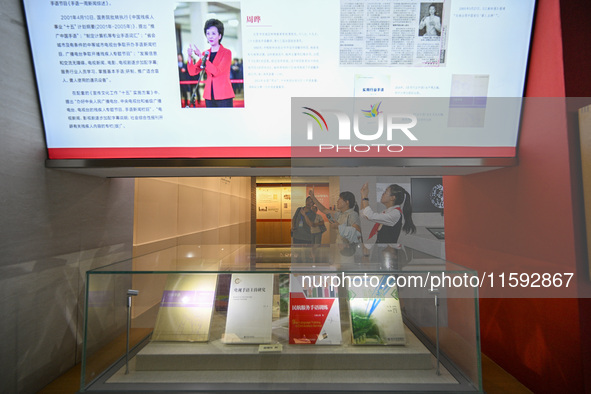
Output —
<point x="365" y="191"/>
<point x="193" y="50"/>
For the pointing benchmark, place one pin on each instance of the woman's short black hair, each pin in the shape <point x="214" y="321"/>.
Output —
<point x="214" y="23"/>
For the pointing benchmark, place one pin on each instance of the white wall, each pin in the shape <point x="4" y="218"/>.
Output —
<point x="209" y="210"/>
<point x="175" y="215"/>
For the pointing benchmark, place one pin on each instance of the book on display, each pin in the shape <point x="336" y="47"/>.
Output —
<point x="314" y="316"/>
<point x="186" y="308"/>
<point x="375" y="314"/>
<point x="250" y="309"/>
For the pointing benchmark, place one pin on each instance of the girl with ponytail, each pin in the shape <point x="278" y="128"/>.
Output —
<point x="396" y="217"/>
<point x="403" y="196"/>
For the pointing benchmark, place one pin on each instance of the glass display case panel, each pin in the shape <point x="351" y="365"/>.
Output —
<point x="241" y="317"/>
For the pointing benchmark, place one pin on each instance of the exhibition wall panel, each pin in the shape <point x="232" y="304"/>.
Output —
<point x="501" y="223"/>
<point x="169" y="208"/>
<point x="110" y="90"/>
<point x="506" y="218"/>
<point x="155" y="218"/>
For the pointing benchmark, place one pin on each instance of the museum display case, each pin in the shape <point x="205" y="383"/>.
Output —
<point x="282" y="318"/>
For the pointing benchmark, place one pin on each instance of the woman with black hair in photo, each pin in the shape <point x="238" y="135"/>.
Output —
<point x="345" y="218"/>
<point x="217" y="61"/>
<point x="396" y="217"/>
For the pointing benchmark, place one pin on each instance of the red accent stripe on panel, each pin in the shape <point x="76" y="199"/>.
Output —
<point x="277" y="152"/>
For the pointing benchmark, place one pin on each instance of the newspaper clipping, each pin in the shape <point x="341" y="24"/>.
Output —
<point x="392" y="33"/>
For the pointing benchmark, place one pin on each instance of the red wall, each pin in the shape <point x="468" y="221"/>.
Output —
<point x="522" y="219"/>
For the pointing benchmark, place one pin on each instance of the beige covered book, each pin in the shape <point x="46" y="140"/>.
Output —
<point x="250" y="309"/>
<point x="186" y="308"/>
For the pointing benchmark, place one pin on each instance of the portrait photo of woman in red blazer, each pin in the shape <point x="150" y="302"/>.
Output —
<point x="216" y="62"/>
